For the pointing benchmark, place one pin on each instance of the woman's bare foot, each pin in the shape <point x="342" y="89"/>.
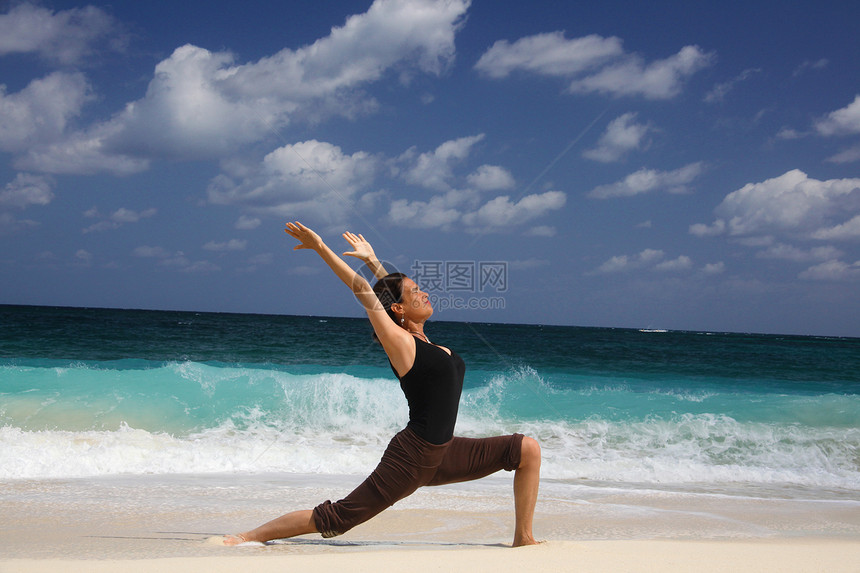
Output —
<point x="524" y="542"/>
<point x="234" y="539"/>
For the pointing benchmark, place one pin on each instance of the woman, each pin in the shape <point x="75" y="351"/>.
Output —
<point x="425" y="452"/>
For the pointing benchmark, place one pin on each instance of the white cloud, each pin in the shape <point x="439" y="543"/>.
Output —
<point x="27" y="190"/>
<point x="810" y="65"/>
<point x="82" y="153"/>
<point x="84" y="257"/>
<point x="792" y="253"/>
<point x="718" y="227"/>
<point x="661" y="79"/>
<point x="117" y="219"/>
<point x="461" y="208"/>
<point x="682" y="263"/>
<point x="621" y="263"/>
<point x="369" y="201"/>
<point x="548" y="54"/>
<point x="318" y="179"/>
<point x="622" y="136"/>
<point x="847" y="230"/>
<point x="314" y="167"/>
<point x="65" y="37"/>
<point x="845" y="121"/>
<point x="175" y="260"/>
<point x="308" y="177"/>
<point x="491" y="178"/>
<point x="439" y="211"/>
<point x="593" y="64"/>
<point x="849" y="155"/>
<point x="40" y="112"/>
<point x="789" y="133"/>
<point x="501" y="212"/>
<point x="188" y="113"/>
<point x="433" y="169"/>
<point x="720" y="91"/>
<point x="201" y="104"/>
<point x="9" y="224"/>
<point x="650" y="180"/>
<point x="231" y="245"/>
<point x="654" y="260"/>
<point x="419" y="32"/>
<point x="123" y="215"/>
<point x="842" y="122"/>
<point x="832" y="271"/>
<point x="791" y="204"/>
<point x="246" y="223"/>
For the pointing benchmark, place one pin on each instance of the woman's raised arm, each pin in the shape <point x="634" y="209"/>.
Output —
<point x="308" y="239"/>
<point x="362" y="250"/>
<point x="398" y="343"/>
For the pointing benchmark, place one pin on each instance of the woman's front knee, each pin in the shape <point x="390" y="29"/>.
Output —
<point x="530" y="453"/>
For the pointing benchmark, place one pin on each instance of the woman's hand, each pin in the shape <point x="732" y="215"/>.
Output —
<point x="363" y="251"/>
<point x="306" y="237"/>
<point x="361" y="248"/>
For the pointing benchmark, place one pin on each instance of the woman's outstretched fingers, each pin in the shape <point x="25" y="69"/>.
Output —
<point x="307" y="238"/>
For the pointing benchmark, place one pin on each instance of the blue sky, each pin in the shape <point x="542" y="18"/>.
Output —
<point x="621" y="164"/>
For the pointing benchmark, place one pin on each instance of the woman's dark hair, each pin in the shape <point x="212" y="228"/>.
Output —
<point x="389" y="289"/>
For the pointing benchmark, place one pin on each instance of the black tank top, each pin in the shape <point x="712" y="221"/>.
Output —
<point x="432" y="387"/>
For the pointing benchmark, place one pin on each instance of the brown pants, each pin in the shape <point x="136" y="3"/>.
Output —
<point x="410" y="462"/>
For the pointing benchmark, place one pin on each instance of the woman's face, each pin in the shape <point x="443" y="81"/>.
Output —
<point x="416" y="303"/>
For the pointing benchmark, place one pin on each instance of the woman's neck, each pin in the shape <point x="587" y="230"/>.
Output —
<point x="416" y="329"/>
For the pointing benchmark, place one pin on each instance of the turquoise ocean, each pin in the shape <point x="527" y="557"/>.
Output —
<point x="99" y="392"/>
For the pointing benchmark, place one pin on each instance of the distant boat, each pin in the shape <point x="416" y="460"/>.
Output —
<point x="653" y="330"/>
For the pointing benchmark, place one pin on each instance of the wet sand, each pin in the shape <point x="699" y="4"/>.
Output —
<point x="173" y="523"/>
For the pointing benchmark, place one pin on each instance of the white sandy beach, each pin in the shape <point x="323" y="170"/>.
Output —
<point x="172" y="523"/>
<point x="799" y="555"/>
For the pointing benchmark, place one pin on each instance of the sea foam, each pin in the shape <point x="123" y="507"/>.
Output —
<point x="63" y="419"/>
